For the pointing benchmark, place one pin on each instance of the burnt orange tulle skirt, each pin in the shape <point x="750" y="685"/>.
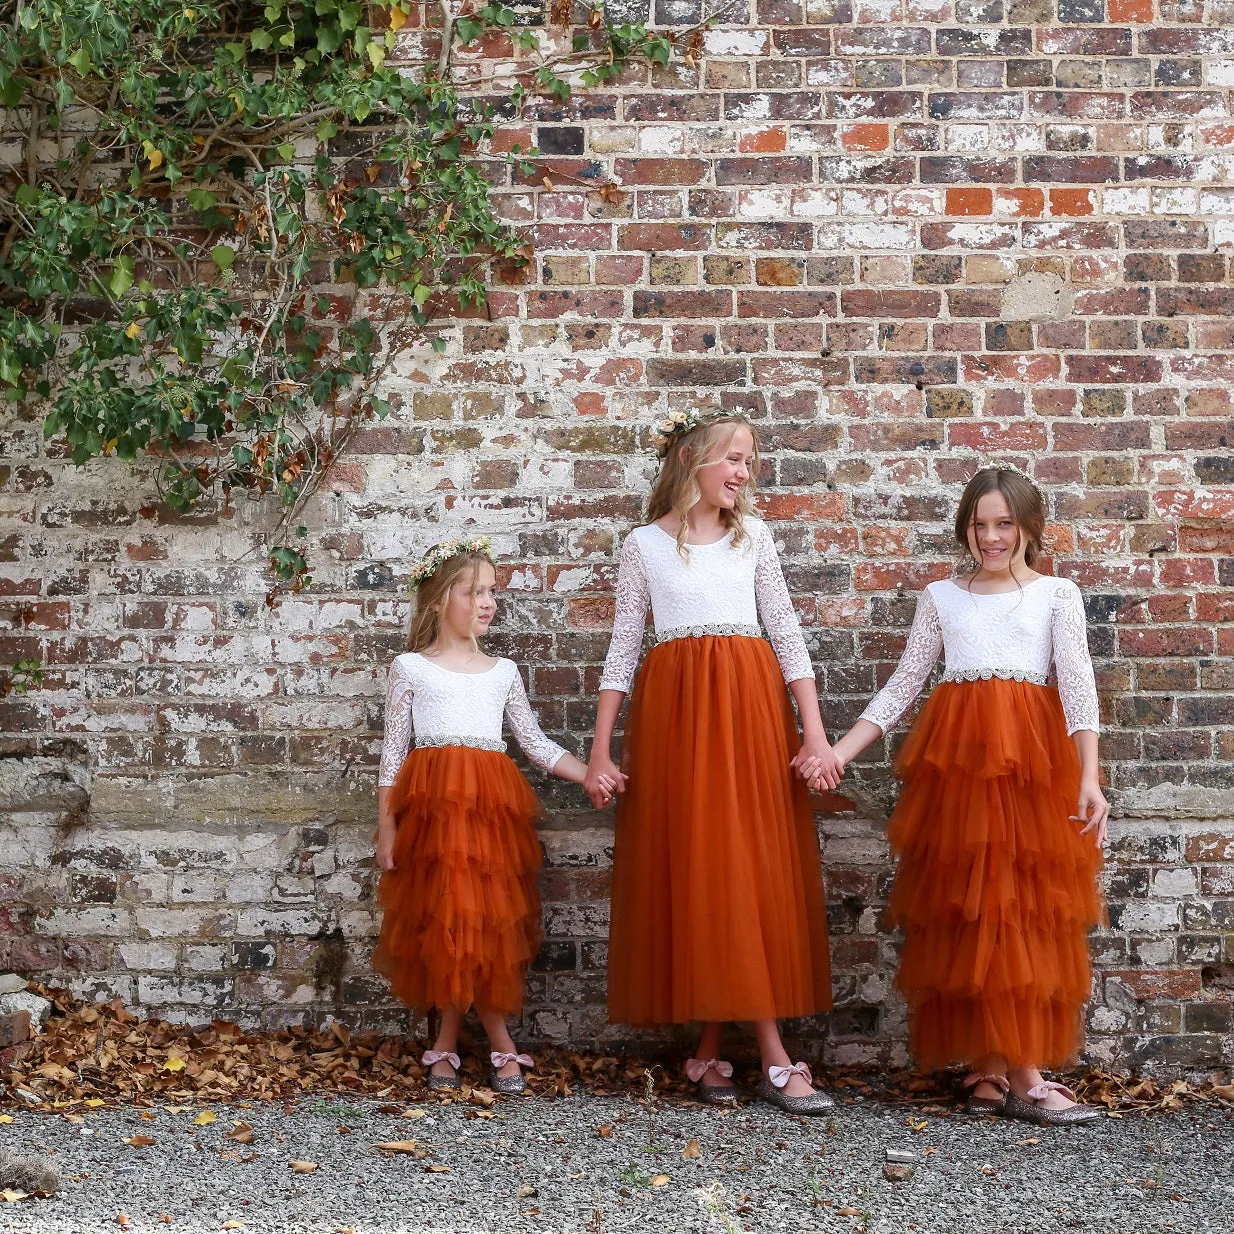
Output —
<point x="717" y="906"/>
<point x="461" y="907"/>
<point x="996" y="889"/>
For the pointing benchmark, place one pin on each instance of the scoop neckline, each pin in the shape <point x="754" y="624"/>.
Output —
<point x="454" y="672"/>
<point x="1041" y="578"/>
<point x="728" y="535"/>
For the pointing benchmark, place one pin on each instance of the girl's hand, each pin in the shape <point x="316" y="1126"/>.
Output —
<point x="816" y="763"/>
<point x="603" y="780"/>
<point x="1093" y="810"/>
<point x="385" y="848"/>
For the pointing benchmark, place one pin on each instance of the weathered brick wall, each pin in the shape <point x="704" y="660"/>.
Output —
<point x="902" y="235"/>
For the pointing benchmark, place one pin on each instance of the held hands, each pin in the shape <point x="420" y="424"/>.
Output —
<point x="1093" y="810"/>
<point x="817" y="763"/>
<point x="604" y="779"/>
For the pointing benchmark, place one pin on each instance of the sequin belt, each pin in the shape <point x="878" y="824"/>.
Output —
<point x="1003" y="674"/>
<point x="431" y="740"/>
<point x="716" y="628"/>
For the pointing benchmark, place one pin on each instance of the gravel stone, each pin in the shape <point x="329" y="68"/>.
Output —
<point x="543" y="1165"/>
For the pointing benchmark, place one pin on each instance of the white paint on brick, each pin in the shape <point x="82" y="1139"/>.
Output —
<point x="815" y="203"/>
<point x="967" y="137"/>
<point x="1219" y="73"/>
<point x="1116" y="201"/>
<point x="187" y="923"/>
<point x="754" y="107"/>
<point x="662" y="139"/>
<point x="767" y="203"/>
<point x="1176" y="884"/>
<point x="879" y="236"/>
<point x="82" y="922"/>
<point x="1217" y="201"/>
<point x="1149" y="916"/>
<point x="153" y="956"/>
<point x="1175" y="201"/>
<point x="205" y="958"/>
<point x="735" y="43"/>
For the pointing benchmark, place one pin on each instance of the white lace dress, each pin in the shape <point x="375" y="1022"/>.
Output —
<point x="1013" y="635"/>
<point x="720" y="589"/>
<point x="446" y="708"/>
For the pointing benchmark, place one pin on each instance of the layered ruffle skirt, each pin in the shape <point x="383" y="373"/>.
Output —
<point x="717" y="904"/>
<point x="461" y="907"/>
<point x="996" y="888"/>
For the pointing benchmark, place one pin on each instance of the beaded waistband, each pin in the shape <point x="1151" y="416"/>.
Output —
<point x="1003" y="674"/>
<point x="432" y="740"/>
<point x="720" y="629"/>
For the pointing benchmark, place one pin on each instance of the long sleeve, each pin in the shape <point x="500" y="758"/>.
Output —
<point x="776" y="612"/>
<point x="1077" y="686"/>
<point x="526" y="728"/>
<point x="397" y="738"/>
<point x="925" y="641"/>
<point x="629" y="620"/>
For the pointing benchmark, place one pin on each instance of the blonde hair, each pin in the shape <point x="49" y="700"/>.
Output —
<point x="434" y="591"/>
<point x="676" y="489"/>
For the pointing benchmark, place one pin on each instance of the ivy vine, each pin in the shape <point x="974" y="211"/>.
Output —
<point x="188" y="176"/>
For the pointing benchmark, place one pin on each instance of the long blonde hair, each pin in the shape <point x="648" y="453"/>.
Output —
<point x="432" y="594"/>
<point x="676" y="488"/>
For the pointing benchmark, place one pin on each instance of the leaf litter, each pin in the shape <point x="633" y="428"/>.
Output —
<point x="101" y="1054"/>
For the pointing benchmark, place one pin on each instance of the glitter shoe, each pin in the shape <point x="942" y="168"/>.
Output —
<point x="510" y="1084"/>
<point x="986" y="1105"/>
<point x="713" y="1094"/>
<point x="771" y="1090"/>
<point x="1031" y="1110"/>
<point x="441" y="1083"/>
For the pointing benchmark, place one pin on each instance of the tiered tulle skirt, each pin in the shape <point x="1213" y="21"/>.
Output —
<point x="996" y="889"/>
<point x="461" y="907"/>
<point x="717" y="905"/>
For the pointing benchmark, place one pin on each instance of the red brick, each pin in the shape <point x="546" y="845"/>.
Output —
<point x="660" y="171"/>
<point x="967" y="201"/>
<point x="859" y="137"/>
<point x="763" y="141"/>
<point x="664" y="237"/>
<point x="14" y="1028"/>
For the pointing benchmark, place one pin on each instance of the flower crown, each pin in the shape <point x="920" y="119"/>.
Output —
<point x="1016" y="471"/>
<point x="677" y="424"/>
<point x="439" y="554"/>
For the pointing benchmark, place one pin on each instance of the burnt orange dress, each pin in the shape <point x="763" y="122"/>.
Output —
<point x="461" y="908"/>
<point x="717" y="906"/>
<point x="996" y="889"/>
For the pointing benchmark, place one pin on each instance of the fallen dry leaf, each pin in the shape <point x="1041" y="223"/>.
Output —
<point x="414" y="1112"/>
<point x="140" y="1141"/>
<point x="233" y="1224"/>
<point x="399" y="1146"/>
<point x="6" y="1118"/>
<point x="204" y="1119"/>
<point x="122" y="1220"/>
<point x="303" y="1167"/>
<point x="660" y="1180"/>
<point x="850" y="1212"/>
<point x="437" y="1168"/>
<point x="9" y="1196"/>
<point x="525" y="1191"/>
<point x="163" y="1219"/>
<point x="95" y="1102"/>
<point x="1032" y="1139"/>
<point x="174" y="1064"/>
<point x="693" y="1148"/>
<point x="605" y="1131"/>
<point x="918" y="1126"/>
<point x="242" y="1133"/>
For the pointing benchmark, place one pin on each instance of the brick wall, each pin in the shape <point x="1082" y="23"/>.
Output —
<point x="902" y="235"/>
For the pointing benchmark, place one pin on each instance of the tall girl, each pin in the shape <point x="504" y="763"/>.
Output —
<point x="456" y="835"/>
<point x="1001" y="821"/>
<point x="717" y="904"/>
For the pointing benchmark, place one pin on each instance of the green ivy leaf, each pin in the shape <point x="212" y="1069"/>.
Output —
<point x="122" y="275"/>
<point x="80" y="60"/>
<point x="288" y="151"/>
<point x="223" y="256"/>
<point x="376" y="53"/>
<point x="259" y="40"/>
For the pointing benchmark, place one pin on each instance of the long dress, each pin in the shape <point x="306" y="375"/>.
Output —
<point x="461" y="907"/>
<point x="717" y="903"/>
<point x="996" y="888"/>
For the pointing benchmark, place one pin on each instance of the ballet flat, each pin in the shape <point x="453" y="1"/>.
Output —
<point x="818" y="1102"/>
<point x="1034" y="1112"/>
<point x="508" y="1084"/>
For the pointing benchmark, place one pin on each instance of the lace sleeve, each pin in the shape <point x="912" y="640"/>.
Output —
<point x="397" y="739"/>
<point x="526" y="728"/>
<point x="629" y="620"/>
<point x="925" y="641"/>
<point x="776" y="612"/>
<point x="1077" y="687"/>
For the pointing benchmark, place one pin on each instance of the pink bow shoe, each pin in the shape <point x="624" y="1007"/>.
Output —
<point x="441" y="1083"/>
<point x="986" y="1105"/>
<point x="1032" y="1108"/>
<point x="771" y="1090"/>
<point x="509" y="1084"/>
<point x="712" y="1094"/>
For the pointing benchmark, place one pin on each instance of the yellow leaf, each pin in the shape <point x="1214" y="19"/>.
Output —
<point x="172" y="1064"/>
<point x="693" y="1148"/>
<point x="95" y="1102"/>
<point x="132" y="330"/>
<point x="6" y="1118"/>
<point x="398" y="19"/>
<point x="9" y="1196"/>
<point x="660" y="1180"/>
<point x="190" y="13"/>
<point x="303" y="1167"/>
<point x="154" y="156"/>
<point x="918" y="1126"/>
<point x="204" y="1119"/>
<point x="413" y="1113"/>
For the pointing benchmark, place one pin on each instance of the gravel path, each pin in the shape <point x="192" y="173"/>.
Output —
<point x="601" y="1165"/>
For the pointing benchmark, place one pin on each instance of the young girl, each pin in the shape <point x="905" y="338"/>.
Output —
<point x="717" y="904"/>
<point x="1001" y="821"/>
<point x="456" y="835"/>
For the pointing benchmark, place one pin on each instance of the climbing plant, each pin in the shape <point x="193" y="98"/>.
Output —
<point x="220" y="221"/>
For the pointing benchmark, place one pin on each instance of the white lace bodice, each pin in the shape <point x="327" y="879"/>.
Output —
<point x="720" y="589"/>
<point x="443" y="707"/>
<point x="1013" y="634"/>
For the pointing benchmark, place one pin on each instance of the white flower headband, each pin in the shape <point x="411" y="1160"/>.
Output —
<point x="439" y="554"/>
<point x="678" y="424"/>
<point x="1016" y="471"/>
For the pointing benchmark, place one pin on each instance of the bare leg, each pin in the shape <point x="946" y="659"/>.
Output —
<point x="709" y="1047"/>
<point x="991" y="1064"/>
<point x="771" y="1049"/>
<point x="500" y="1041"/>
<point x="447" y="1039"/>
<point x="1024" y="1078"/>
